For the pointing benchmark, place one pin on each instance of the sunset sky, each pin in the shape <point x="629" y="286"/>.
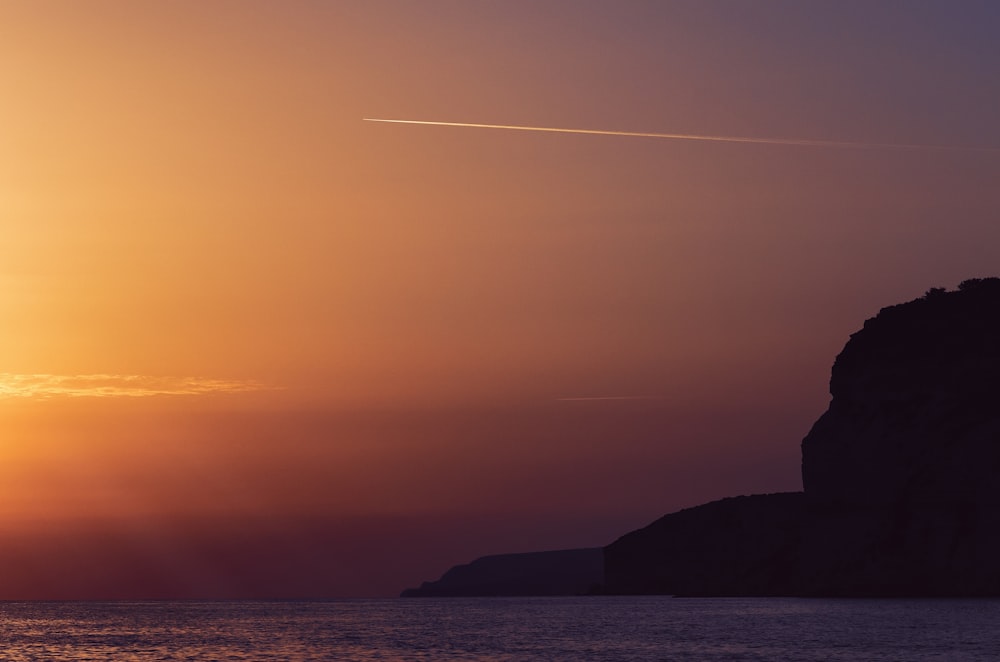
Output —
<point x="254" y="346"/>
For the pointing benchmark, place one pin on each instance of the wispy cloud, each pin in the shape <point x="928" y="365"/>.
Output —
<point x="593" y="398"/>
<point x="116" y="386"/>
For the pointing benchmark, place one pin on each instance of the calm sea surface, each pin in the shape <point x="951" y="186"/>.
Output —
<point x="597" y="628"/>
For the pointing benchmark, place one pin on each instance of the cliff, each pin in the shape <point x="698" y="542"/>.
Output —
<point x="747" y="541"/>
<point x="914" y="415"/>
<point x="563" y="572"/>
<point x="899" y="475"/>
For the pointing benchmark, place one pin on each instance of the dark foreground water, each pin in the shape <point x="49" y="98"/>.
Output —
<point x="598" y="628"/>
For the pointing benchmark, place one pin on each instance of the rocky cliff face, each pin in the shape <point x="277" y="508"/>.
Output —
<point x="915" y="414"/>
<point x="900" y="477"/>
<point x="749" y="541"/>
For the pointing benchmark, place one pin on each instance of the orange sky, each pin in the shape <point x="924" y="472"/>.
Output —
<point x="233" y="316"/>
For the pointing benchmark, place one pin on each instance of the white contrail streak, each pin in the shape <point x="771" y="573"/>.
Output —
<point x="689" y="136"/>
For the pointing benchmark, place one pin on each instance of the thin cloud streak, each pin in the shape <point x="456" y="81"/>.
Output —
<point x="689" y="136"/>
<point x="609" y="397"/>
<point x="116" y="386"/>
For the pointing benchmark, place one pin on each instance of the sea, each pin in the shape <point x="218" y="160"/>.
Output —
<point x="584" y="628"/>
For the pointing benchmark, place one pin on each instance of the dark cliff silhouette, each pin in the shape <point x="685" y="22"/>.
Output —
<point x="901" y="480"/>
<point x="900" y="477"/>
<point x="564" y="572"/>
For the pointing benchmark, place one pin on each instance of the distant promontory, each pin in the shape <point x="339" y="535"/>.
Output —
<point x="562" y="572"/>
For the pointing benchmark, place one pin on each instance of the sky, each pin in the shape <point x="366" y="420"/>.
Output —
<point x="254" y="346"/>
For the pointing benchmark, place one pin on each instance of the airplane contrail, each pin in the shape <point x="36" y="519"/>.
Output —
<point x="690" y="136"/>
